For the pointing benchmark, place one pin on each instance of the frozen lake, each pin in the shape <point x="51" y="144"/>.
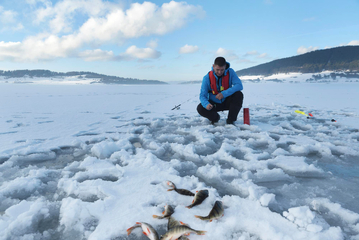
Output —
<point x="89" y="161"/>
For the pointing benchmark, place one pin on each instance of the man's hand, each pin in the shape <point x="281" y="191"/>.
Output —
<point x="209" y="107"/>
<point x="219" y="96"/>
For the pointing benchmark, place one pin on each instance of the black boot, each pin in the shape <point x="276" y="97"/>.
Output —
<point x="213" y="122"/>
<point x="229" y="121"/>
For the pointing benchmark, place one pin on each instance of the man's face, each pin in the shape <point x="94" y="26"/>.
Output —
<point x="218" y="70"/>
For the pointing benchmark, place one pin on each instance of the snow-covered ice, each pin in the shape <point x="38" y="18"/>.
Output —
<point x="89" y="161"/>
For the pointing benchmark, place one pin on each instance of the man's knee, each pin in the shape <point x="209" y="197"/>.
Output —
<point x="237" y="98"/>
<point x="200" y="109"/>
<point x="238" y="95"/>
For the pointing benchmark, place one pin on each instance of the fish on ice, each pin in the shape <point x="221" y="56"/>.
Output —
<point x="199" y="198"/>
<point x="216" y="212"/>
<point x="166" y="213"/>
<point x="147" y="229"/>
<point x="178" y="231"/>
<point x="180" y="191"/>
<point x="172" y="222"/>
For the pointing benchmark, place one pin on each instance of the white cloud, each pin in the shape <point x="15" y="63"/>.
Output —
<point x="60" y="17"/>
<point x="34" y="2"/>
<point x="104" y="25"/>
<point x="152" y="44"/>
<point x="188" y="49"/>
<point x="8" y="20"/>
<point x="141" y="53"/>
<point x="302" y="49"/>
<point x="229" y="55"/>
<point x="139" y="20"/>
<point x="131" y="53"/>
<point x="97" y="55"/>
<point x="251" y="53"/>
<point x="9" y="50"/>
<point x="354" y="42"/>
<point x="263" y="55"/>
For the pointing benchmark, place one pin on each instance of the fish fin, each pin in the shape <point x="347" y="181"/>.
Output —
<point x="163" y="212"/>
<point x="138" y="223"/>
<point x="187" y="234"/>
<point x="170" y="189"/>
<point x="210" y="220"/>
<point x="144" y="233"/>
<point x="182" y="223"/>
<point x="193" y="201"/>
<point x="155" y="216"/>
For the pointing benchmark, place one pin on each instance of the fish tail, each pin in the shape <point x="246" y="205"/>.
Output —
<point x="201" y="232"/>
<point x="171" y="184"/>
<point x="200" y="217"/>
<point x="129" y="230"/>
<point x="158" y="217"/>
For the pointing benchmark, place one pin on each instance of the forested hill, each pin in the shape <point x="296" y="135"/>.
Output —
<point x="101" y="78"/>
<point x="334" y="59"/>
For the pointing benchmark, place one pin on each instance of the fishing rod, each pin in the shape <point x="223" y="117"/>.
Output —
<point x="177" y="107"/>
<point x="310" y="116"/>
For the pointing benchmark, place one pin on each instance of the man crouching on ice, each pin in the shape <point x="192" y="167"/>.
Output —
<point x="220" y="91"/>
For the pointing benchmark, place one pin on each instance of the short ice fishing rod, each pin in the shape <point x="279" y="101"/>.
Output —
<point x="310" y="116"/>
<point x="177" y="107"/>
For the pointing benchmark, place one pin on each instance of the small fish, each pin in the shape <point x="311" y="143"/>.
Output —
<point x="147" y="229"/>
<point x="216" y="212"/>
<point x="199" y="198"/>
<point x="178" y="231"/>
<point x="166" y="213"/>
<point x="172" y="222"/>
<point x="180" y="191"/>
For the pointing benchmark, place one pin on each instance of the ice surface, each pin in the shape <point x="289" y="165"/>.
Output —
<point x="89" y="161"/>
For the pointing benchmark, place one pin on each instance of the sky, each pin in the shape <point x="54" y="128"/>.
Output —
<point x="167" y="40"/>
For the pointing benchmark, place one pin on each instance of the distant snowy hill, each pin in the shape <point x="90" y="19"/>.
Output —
<point x="46" y="76"/>
<point x="297" y="77"/>
<point x="333" y="59"/>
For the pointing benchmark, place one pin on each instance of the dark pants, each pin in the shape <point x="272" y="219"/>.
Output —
<point x="232" y="103"/>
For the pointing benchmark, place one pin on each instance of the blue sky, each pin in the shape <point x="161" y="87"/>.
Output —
<point x="167" y="40"/>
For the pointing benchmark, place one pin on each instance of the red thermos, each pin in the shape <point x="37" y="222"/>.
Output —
<point x="246" y="116"/>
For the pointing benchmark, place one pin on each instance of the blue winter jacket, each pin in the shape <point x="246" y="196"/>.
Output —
<point x="235" y="84"/>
